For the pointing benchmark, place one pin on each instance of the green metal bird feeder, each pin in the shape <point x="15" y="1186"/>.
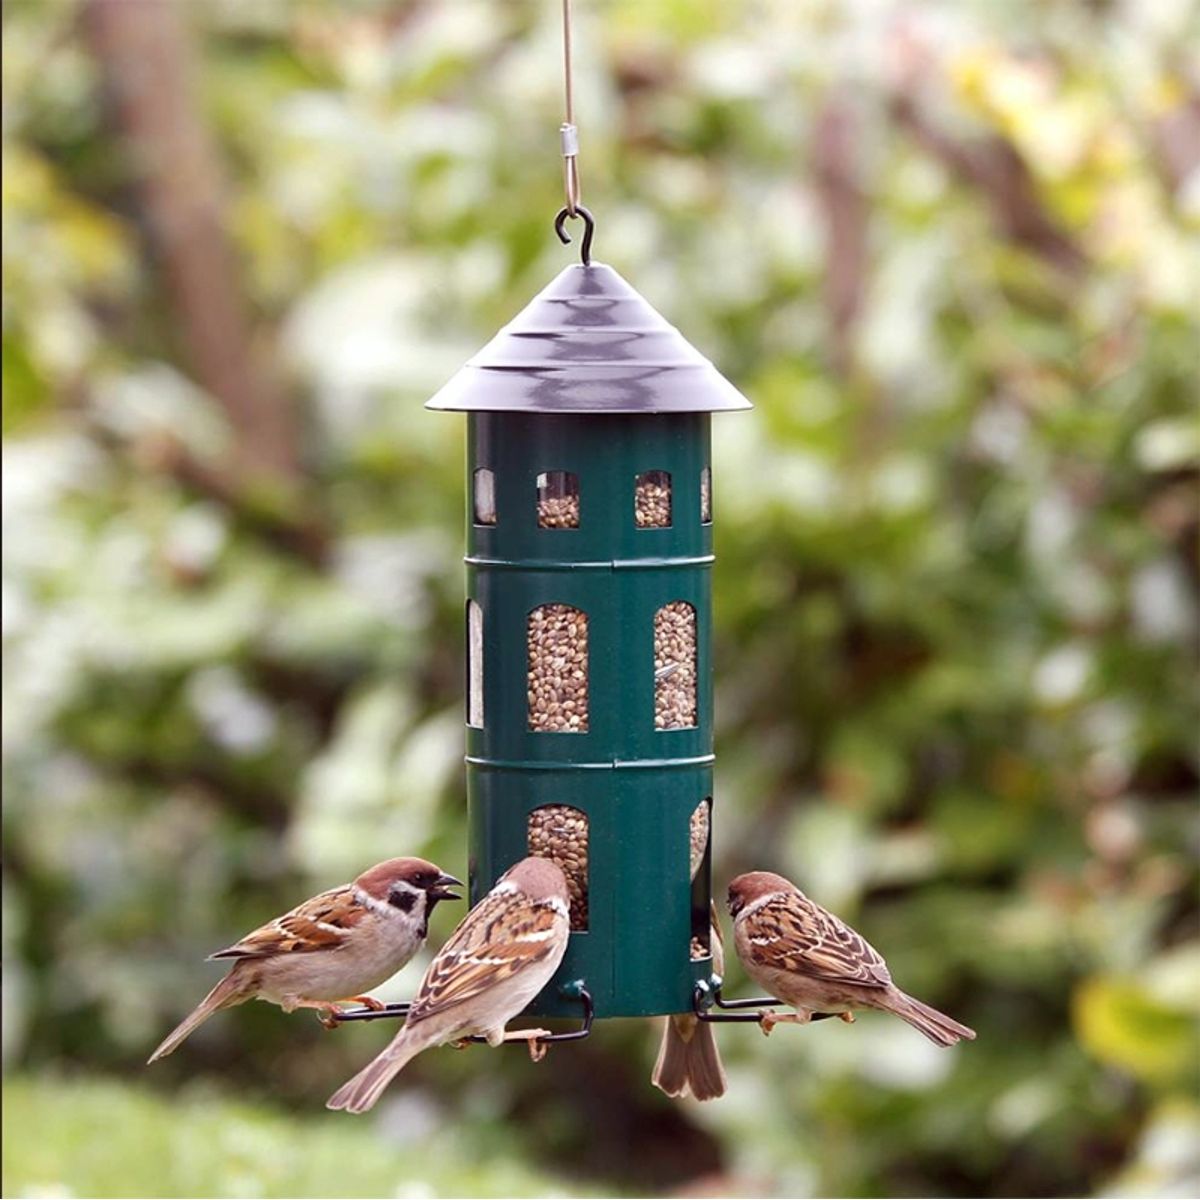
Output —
<point x="589" y="615"/>
<point x="589" y="628"/>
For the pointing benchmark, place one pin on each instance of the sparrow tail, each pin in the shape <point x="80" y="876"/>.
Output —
<point x="688" y="1060"/>
<point x="360" y="1093"/>
<point x="936" y="1026"/>
<point x="230" y="991"/>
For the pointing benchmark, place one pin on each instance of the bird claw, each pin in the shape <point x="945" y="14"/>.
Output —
<point x="537" y="1048"/>
<point x="366" y="1001"/>
<point x="769" y="1020"/>
<point x="848" y="1017"/>
<point x="327" y="1014"/>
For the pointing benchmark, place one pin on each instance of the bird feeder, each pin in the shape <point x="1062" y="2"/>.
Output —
<point x="588" y="621"/>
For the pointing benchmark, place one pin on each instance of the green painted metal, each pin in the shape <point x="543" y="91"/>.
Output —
<point x="637" y="785"/>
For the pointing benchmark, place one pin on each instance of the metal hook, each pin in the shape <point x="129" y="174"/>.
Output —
<point x="585" y="249"/>
<point x="707" y="996"/>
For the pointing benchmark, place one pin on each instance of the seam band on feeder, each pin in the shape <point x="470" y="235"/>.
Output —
<point x="654" y="764"/>
<point x="616" y="564"/>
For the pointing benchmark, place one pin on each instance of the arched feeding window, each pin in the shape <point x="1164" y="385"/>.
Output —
<point x="706" y="496"/>
<point x="700" y="866"/>
<point x="652" y="500"/>
<point x="484" y="488"/>
<point x="558" y="500"/>
<point x="557" y="676"/>
<point x="474" y="665"/>
<point x="560" y="833"/>
<point x="675" y="666"/>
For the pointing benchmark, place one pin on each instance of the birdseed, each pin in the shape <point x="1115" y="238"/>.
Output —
<point x="560" y="833"/>
<point x="558" y="500"/>
<point x="652" y="500"/>
<point x="557" y="676"/>
<point x="558" y="512"/>
<point x="675" y="666"/>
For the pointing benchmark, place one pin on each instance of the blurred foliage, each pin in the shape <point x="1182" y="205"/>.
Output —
<point x="116" y="1140"/>
<point x="949" y="250"/>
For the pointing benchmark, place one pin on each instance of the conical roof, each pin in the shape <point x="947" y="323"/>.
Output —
<point x="589" y="343"/>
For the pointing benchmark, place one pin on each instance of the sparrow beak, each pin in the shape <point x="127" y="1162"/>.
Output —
<point x="441" y="888"/>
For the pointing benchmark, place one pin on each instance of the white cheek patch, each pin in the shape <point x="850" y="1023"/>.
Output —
<point x="755" y="905"/>
<point x="553" y="902"/>
<point x="378" y="907"/>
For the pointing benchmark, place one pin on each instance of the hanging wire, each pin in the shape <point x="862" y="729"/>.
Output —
<point x="569" y="136"/>
<point x="567" y="131"/>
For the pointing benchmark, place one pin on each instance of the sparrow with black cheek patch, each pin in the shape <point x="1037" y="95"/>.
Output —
<point x="503" y="953"/>
<point x="332" y="948"/>
<point x="816" y="963"/>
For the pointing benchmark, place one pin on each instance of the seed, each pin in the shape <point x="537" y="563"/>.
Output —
<point x="556" y="681"/>
<point x="652" y="500"/>
<point x="675" y="666"/>
<point x="558" y="512"/>
<point x="560" y="833"/>
<point x="699" y="949"/>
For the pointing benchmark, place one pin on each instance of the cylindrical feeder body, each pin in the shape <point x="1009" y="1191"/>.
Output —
<point x="589" y="615"/>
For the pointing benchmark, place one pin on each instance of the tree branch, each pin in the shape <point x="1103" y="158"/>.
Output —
<point x="147" y="65"/>
<point x="844" y="209"/>
<point x="994" y="169"/>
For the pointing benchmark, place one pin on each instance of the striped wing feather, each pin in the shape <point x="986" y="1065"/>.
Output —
<point x="321" y="923"/>
<point x="790" y="933"/>
<point x="503" y="936"/>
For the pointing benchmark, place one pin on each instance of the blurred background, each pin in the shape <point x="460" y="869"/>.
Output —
<point x="950" y="250"/>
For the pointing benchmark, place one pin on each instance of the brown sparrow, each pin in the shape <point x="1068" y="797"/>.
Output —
<point x="817" y="963"/>
<point x="502" y="954"/>
<point x="688" y="1059"/>
<point x="331" y="948"/>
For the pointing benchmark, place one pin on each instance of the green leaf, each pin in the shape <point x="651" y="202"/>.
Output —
<point x="1120" y="1023"/>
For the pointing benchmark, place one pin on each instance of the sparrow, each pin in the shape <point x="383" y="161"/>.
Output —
<point x="688" y="1059"/>
<point x="816" y="963"/>
<point x="505" y="950"/>
<point x="330" y="949"/>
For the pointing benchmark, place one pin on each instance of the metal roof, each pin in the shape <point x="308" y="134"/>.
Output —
<point x="588" y="342"/>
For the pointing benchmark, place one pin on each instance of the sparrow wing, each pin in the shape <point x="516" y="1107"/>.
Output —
<point x="791" y="933"/>
<point x="505" y="934"/>
<point x="322" y="923"/>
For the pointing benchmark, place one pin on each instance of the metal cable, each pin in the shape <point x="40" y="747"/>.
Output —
<point x="568" y="134"/>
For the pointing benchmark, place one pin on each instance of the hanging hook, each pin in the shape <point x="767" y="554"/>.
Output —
<point x="585" y="250"/>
